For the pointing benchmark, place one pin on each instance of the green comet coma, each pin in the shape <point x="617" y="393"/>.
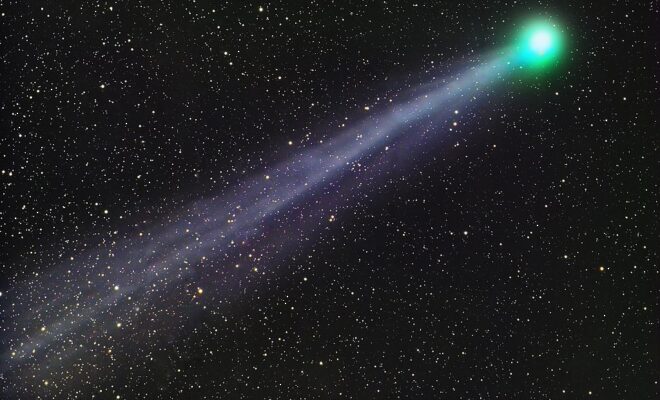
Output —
<point x="539" y="45"/>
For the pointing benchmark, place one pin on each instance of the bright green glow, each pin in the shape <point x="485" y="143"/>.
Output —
<point x="540" y="44"/>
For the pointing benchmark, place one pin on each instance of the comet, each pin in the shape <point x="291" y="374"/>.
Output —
<point x="140" y="288"/>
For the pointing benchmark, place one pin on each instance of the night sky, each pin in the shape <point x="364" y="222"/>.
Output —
<point x="182" y="214"/>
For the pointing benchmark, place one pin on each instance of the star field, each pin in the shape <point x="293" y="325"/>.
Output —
<point x="321" y="200"/>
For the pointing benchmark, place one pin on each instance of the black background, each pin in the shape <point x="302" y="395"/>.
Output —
<point x="552" y="179"/>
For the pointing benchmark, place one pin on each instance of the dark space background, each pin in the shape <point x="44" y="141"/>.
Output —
<point x="519" y="260"/>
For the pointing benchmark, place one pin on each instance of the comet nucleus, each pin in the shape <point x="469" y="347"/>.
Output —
<point x="540" y="44"/>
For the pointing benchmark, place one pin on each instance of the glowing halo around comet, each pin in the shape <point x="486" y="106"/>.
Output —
<point x="540" y="44"/>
